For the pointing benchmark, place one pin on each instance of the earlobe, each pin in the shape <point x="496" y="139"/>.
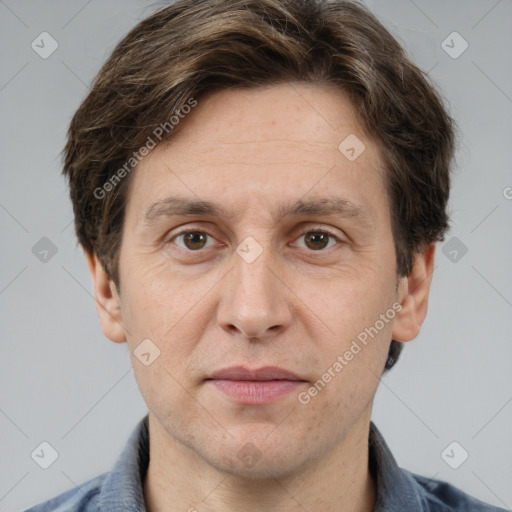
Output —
<point x="108" y="302"/>
<point x="413" y="296"/>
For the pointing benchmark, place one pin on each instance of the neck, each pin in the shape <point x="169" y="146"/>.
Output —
<point x="179" y="480"/>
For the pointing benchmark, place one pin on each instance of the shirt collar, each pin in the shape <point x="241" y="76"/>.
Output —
<point x="396" y="488"/>
<point x="122" y="489"/>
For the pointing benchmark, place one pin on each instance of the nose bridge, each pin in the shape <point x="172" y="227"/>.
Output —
<point x="254" y="302"/>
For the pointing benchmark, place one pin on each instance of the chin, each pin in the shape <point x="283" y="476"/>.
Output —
<point x="259" y="458"/>
<point x="265" y="468"/>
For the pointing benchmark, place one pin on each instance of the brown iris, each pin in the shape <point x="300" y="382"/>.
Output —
<point x="318" y="240"/>
<point x="195" y="240"/>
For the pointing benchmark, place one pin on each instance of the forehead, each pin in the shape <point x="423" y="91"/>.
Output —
<point x="254" y="114"/>
<point x="262" y="145"/>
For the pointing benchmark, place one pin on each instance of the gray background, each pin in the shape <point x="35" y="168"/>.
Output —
<point x="63" y="382"/>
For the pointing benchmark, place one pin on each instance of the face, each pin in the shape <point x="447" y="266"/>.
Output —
<point x="255" y="255"/>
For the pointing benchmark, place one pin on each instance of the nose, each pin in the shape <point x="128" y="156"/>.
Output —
<point x="255" y="301"/>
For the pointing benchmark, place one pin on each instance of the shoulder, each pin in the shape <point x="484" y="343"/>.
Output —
<point x="84" y="498"/>
<point x="440" y="496"/>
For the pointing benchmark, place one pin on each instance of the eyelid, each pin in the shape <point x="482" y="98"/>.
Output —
<point x="317" y="228"/>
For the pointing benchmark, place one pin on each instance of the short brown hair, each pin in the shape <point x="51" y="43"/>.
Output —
<point x="193" y="47"/>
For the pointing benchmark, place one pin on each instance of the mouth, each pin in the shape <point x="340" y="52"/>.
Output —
<point x="255" y="387"/>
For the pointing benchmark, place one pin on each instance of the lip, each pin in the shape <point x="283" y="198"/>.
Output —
<point x="255" y="386"/>
<point x="259" y="374"/>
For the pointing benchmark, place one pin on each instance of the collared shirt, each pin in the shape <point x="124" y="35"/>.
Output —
<point x="398" y="490"/>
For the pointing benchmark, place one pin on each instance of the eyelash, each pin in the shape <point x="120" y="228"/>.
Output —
<point x="314" y="230"/>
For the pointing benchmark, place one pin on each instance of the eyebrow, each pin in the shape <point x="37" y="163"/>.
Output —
<point x="179" y="206"/>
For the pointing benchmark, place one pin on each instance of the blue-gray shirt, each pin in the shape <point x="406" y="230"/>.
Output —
<point x="398" y="490"/>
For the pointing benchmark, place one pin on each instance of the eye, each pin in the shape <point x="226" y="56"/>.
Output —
<point x="319" y="239"/>
<point x="192" y="240"/>
<point x="315" y="240"/>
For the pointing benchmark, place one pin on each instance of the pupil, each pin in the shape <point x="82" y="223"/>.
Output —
<point x="316" y="237"/>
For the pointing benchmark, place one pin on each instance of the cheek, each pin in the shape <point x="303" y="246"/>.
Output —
<point x="346" y="304"/>
<point x="167" y="397"/>
<point x="335" y="406"/>
<point x="157" y="299"/>
<point x="355" y="343"/>
<point x="333" y="411"/>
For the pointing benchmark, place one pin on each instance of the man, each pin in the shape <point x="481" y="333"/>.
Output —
<point x="259" y="187"/>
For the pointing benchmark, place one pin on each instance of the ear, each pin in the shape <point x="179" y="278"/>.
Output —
<point x="108" y="302"/>
<point x="413" y="296"/>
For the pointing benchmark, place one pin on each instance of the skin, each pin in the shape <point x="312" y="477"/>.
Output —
<point x="298" y="305"/>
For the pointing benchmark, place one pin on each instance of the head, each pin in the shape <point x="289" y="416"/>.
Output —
<point x="251" y="127"/>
